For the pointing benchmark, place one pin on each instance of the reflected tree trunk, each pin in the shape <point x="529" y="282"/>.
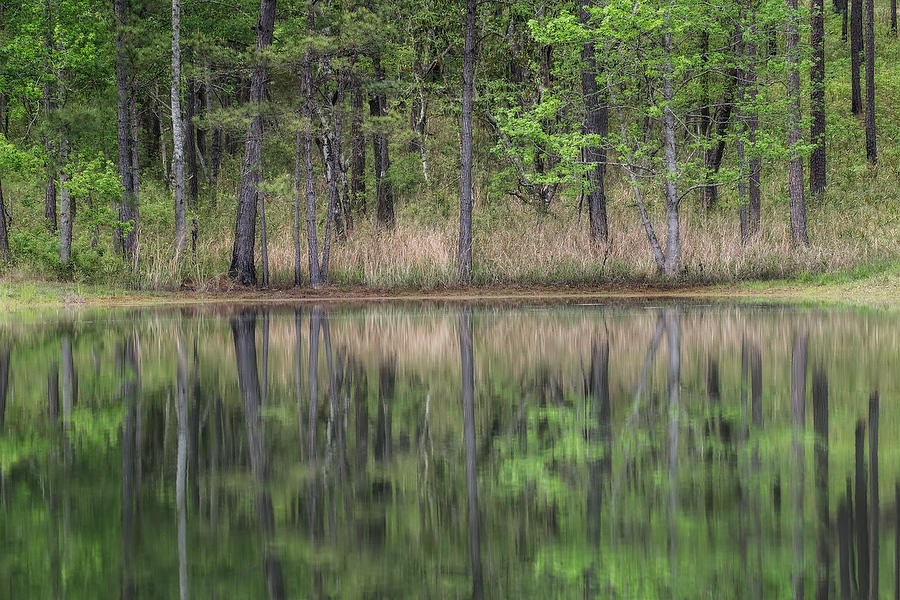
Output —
<point x="387" y="373"/>
<point x="756" y="419"/>
<point x="874" y="513"/>
<point x="181" y="410"/>
<point x="243" y="327"/>
<point x="599" y="438"/>
<point x="315" y="323"/>
<point x="128" y="374"/>
<point x="823" y="538"/>
<point x="4" y="380"/>
<point x="799" y="353"/>
<point x="298" y="367"/>
<point x="861" y="525"/>
<point x="468" y="399"/>
<point x="673" y="385"/>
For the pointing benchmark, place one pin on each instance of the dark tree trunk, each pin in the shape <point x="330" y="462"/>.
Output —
<point x="337" y="208"/>
<point x="263" y="240"/>
<point x="242" y="268"/>
<point x="874" y="513"/>
<point x="823" y="511"/>
<point x="384" y="192"/>
<point x="298" y="177"/>
<point x="127" y="208"/>
<point x="190" y="140"/>
<point x="845" y="9"/>
<point x="750" y="215"/>
<point x="817" y="99"/>
<point x="4" y="381"/>
<point x="358" y="148"/>
<point x="50" y="188"/>
<point x="468" y="401"/>
<point x="215" y="152"/>
<point x="177" y="132"/>
<point x="861" y="522"/>
<point x="465" y="178"/>
<point x="596" y="123"/>
<point x="315" y="272"/>
<point x="894" y="17"/>
<point x="798" y="463"/>
<point x="871" y="151"/>
<point x="856" y="48"/>
<point x="795" y="173"/>
<point x="600" y="437"/>
<point x="4" y="233"/>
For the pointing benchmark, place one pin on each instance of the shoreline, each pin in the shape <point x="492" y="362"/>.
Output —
<point x="23" y="296"/>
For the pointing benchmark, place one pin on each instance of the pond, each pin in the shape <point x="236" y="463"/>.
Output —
<point x="666" y="450"/>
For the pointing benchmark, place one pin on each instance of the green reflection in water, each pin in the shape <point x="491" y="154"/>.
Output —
<point x="619" y="451"/>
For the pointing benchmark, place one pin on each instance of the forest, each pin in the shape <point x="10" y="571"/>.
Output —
<point x="208" y="143"/>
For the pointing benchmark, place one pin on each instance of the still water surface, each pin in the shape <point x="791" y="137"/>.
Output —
<point x="547" y="451"/>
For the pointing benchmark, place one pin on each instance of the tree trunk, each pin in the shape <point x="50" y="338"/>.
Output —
<point x="263" y="240"/>
<point x="673" y="245"/>
<point x="4" y="234"/>
<point x="894" y="17"/>
<point x="130" y="212"/>
<point x="861" y="521"/>
<point x="795" y="173"/>
<point x="871" y="151"/>
<point x="178" y="133"/>
<point x="875" y="512"/>
<point x="190" y="144"/>
<point x="596" y="123"/>
<point x="50" y="188"/>
<point x="465" y="177"/>
<point x="127" y="211"/>
<point x="4" y="380"/>
<point x="823" y="512"/>
<point x="312" y="244"/>
<point x="384" y="193"/>
<point x="844" y="11"/>
<point x="358" y="148"/>
<point x="66" y="206"/>
<point x="298" y="146"/>
<point x="817" y="99"/>
<point x="242" y="268"/>
<point x="856" y="48"/>
<point x="215" y="133"/>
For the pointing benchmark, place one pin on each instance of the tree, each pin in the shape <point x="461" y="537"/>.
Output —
<point x="871" y="150"/>
<point x="856" y="48"/>
<point x="126" y="150"/>
<point x="596" y="123"/>
<point x="817" y="99"/>
<point x="795" y="172"/>
<point x="242" y="268"/>
<point x="384" y="191"/>
<point x="177" y="132"/>
<point x="464" y="261"/>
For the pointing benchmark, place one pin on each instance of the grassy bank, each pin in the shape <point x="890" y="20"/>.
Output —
<point x="877" y="287"/>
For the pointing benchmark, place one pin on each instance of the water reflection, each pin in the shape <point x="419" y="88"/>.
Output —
<point x="483" y="452"/>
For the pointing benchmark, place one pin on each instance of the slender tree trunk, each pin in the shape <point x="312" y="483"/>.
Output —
<point x="871" y="151"/>
<point x="845" y="9"/>
<point x="861" y="520"/>
<point x="856" y="48"/>
<point x="66" y="206"/>
<point x="4" y="233"/>
<point x="297" y="195"/>
<point x="466" y="199"/>
<point x="798" y="463"/>
<point x="263" y="240"/>
<point x="673" y="245"/>
<point x="127" y="210"/>
<point x="596" y="123"/>
<point x="130" y="212"/>
<point x="337" y="216"/>
<point x="894" y="17"/>
<point x="190" y="141"/>
<point x="312" y="244"/>
<point x="817" y="99"/>
<point x="50" y="188"/>
<point x="875" y="512"/>
<point x="358" y="148"/>
<point x="215" y="133"/>
<point x="384" y="192"/>
<point x="795" y="173"/>
<point x="178" y="132"/>
<point x="823" y="511"/>
<point x="4" y="380"/>
<point x="242" y="268"/>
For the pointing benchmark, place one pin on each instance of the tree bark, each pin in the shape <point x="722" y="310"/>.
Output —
<point x="875" y="512"/>
<point x="50" y="188"/>
<point x="315" y="273"/>
<point x="871" y="150"/>
<point x="4" y="233"/>
<point x="358" y="148"/>
<point x="66" y="206"/>
<point x="384" y="192"/>
<point x="795" y="172"/>
<point x="127" y="209"/>
<point x="468" y="401"/>
<point x="823" y="511"/>
<point x="466" y="199"/>
<point x="817" y="99"/>
<point x="214" y="132"/>
<point x="297" y="194"/>
<point x="861" y="520"/>
<point x="190" y="141"/>
<point x="242" y="268"/>
<point x="894" y="17"/>
<point x="178" y="133"/>
<point x="596" y="123"/>
<point x="856" y="48"/>
<point x="263" y="240"/>
<point x="673" y="245"/>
